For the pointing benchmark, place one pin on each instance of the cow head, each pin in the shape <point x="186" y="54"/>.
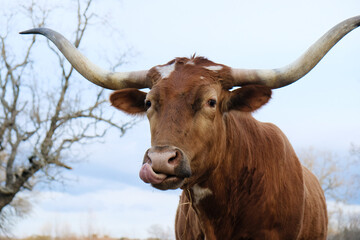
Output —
<point x="189" y="98"/>
<point x="185" y="108"/>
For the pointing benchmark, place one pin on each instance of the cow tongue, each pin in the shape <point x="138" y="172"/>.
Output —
<point x="148" y="175"/>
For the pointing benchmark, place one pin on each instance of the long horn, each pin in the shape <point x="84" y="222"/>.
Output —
<point x="93" y="73"/>
<point x="280" y="77"/>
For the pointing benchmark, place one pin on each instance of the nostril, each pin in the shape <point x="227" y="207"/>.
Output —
<point x="147" y="158"/>
<point x="172" y="159"/>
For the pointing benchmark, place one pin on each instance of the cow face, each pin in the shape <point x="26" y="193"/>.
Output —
<point x="185" y="108"/>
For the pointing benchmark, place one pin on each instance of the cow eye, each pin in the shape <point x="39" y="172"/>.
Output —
<point x="147" y="104"/>
<point x="212" y="102"/>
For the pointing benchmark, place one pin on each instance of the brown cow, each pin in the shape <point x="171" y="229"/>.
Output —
<point x="241" y="178"/>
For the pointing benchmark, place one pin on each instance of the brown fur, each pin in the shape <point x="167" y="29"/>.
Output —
<point x="252" y="185"/>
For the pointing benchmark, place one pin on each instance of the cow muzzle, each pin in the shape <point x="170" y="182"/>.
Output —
<point x="165" y="167"/>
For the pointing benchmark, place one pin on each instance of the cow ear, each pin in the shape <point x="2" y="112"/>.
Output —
<point x="129" y="100"/>
<point x="248" y="98"/>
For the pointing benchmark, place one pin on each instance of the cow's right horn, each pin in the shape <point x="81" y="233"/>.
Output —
<point x="95" y="74"/>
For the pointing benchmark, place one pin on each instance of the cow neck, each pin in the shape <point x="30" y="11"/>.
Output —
<point x="235" y="188"/>
<point x="230" y="157"/>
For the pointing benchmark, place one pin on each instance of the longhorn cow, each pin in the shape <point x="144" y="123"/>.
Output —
<point x="241" y="178"/>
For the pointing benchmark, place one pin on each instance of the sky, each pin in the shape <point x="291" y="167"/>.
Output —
<point x="321" y="110"/>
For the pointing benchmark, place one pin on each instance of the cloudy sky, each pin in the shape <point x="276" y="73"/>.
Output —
<point x="322" y="110"/>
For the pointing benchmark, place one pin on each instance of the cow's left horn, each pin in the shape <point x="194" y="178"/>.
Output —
<point x="280" y="77"/>
<point x="95" y="74"/>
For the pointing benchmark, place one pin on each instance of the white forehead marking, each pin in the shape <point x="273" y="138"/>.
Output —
<point x="201" y="77"/>
<point x="200" y="193"/>
<point x="191" y="62"/>
<point x="165" y="71"/>
<point x="214" y="68"/>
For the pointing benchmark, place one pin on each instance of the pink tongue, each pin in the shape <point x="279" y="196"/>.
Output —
<point x="148" y="175"/>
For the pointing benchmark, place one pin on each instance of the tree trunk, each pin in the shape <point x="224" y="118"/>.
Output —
<point x="5" y="199"/>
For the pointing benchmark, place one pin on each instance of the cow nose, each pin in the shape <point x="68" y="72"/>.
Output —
<point x="163" y="159"/>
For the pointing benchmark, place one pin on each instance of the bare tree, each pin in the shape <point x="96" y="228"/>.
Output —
<point x="355" y="151"/>
<point x="347" y="226"/>
<point x="340" y="183"/>
<point x="333" y="173"/>
<point x="157" y="232"/>
<point x="39" y="127"/>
